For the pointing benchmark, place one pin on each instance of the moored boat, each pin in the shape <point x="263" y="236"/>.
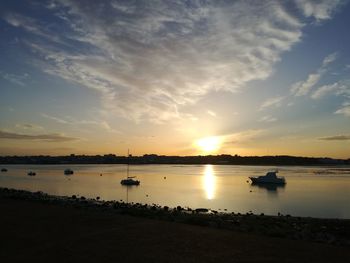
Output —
<point x="129" y="181"/>
<point x="3" y="170"/>
<point x="31" y="173"/>
<point x="269" y="178"/>
<point x="68" y="172"/>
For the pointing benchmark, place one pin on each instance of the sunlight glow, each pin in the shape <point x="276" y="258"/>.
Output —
<point x="209" y="182"/>
<point x="208" y="144"/>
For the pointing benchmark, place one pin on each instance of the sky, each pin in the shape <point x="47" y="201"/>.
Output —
<point x="175" y="77"/>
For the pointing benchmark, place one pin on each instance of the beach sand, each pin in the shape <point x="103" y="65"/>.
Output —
<point x="34" y="231"/>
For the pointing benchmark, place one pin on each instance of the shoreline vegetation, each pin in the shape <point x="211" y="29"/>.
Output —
<point x="335" y="232"/>
<point x="162" y="159"/>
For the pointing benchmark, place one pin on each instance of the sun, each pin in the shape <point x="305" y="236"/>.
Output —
<point x="208" y="144"/>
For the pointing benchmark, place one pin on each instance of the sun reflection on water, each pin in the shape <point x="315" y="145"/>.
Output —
<point x="209" y="182"/>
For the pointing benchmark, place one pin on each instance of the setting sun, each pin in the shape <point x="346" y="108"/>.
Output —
<point x="208" y="144"/>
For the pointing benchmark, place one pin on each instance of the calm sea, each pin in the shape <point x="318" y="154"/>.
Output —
<point x="310" y="191"/>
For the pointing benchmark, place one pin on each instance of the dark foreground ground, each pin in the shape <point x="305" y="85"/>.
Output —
<point x="35" y="232"/>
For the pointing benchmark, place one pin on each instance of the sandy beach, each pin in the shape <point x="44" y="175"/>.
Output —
<point x="44" y="231"/>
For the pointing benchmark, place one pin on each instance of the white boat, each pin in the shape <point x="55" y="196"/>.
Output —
<point x="269" y="178"/>
<point x="68" y="172"/>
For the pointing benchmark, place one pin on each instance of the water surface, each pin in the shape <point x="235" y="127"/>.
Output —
<point x="310" y="191"/>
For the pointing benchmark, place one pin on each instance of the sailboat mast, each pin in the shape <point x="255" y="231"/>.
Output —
<point x="127" y="177"/>
<point x="127" y="169"/>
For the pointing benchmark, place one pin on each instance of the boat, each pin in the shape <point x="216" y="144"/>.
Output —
<point x="68" y="172"/>
<point x="129" y="180"/>
<point x="269" y="178"/>
<point x="31" y="173"/>
<point x="3" y="170"/>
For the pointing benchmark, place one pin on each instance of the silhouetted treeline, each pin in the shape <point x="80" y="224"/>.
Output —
<point x="162" y="159"/>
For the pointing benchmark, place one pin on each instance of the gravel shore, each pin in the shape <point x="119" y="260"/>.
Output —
<point x="37" y="226"/>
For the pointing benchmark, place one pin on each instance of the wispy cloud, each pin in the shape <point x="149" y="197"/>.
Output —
<point x="345" y="109"/>
<point x="148" y="59"/>
<point x="274" y="102"/>
<point x="59" y="120"/>
<point x="55" y="137"/>
<point x="339" y="88"/>
<point x="28" y="126"/>
<point x="302" y="88"/>
<point x="14" y="78"/>
<point x="267" y="118"/>
<point x="336" y="138"/>
<point x="71" y="121"/>
<point x="211" y="113"/>
<point x="242" y="137"/>
<point x="329" y="59"/>
<point x="319" y="9"/>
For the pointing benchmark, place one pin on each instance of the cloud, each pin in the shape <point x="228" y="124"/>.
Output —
<point x="18" y="20"/>
<point x="319" y="9"/>
<point x="15" y="79"/>
<point x="336" y="138"/>
<point x="55" y="137"/>
<point x="267" y="118"/>
<point x="71" y="121"/>
<point x="59" y="120"/>
<point x="147" y="59"/>
<point x="341" y="89"/>
<point x="29" y="126"/>
<point x="302" y="88"/>
<point x="345" y="109"/>
<point x="272" y="102"/>
<point x="324" y="90"/>
<point x="241" y="138"/>
<point x="329" y="59"/>
<point x="211" y="113"/>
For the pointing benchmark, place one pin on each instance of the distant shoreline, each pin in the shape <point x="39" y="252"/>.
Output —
<point x="223" y="159"/>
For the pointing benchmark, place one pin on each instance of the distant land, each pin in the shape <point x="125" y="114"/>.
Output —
<point x="162" y="159"/>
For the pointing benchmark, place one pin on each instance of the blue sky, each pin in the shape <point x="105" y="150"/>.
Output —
<point x="175" y="77"/>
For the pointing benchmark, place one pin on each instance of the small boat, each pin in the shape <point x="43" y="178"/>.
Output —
<point x="68" y="172"/>
<point x="31" y="173"/>
<point x="3" y="170"/>
<point x="130" y="181"/>
<point x="269" y="178"/>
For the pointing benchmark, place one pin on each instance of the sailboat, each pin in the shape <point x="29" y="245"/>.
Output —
<point x="129" y="180"/>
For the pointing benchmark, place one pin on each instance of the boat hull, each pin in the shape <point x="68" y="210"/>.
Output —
<point x="129" y="182"/>
<point x="257" y="180"/>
